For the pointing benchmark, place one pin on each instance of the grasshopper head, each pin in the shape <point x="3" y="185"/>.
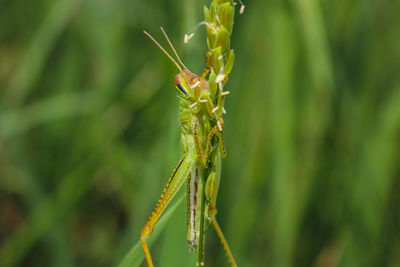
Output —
<point x="190" y="85"/>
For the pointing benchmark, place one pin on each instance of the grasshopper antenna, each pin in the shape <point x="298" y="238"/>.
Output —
<point x="173" y="48"/>
<point x="165" y="52"/>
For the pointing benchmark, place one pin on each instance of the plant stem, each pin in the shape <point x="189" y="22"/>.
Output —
<point x="200" y="251"/>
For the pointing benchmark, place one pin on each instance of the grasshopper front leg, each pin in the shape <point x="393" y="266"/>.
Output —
<point x="178" y="177"/>
<point x="208" y="64"/>
<point x="216" y="130"/>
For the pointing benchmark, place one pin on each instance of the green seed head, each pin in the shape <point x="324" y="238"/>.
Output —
<point x="219" y="22"/>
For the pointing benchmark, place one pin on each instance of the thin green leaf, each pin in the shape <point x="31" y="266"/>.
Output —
<point x="135" y="255"/>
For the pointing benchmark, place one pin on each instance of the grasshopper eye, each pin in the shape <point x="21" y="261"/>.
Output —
<point x="177" y="81"/>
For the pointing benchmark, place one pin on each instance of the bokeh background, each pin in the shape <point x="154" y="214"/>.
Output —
<point x="89" y="132"/>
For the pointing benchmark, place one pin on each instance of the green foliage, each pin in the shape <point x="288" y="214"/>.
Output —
<point x="89" y="132"/>
<point x="135" y="255"/>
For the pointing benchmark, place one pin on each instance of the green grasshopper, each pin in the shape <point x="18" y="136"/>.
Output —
<point x="200" y="111"/>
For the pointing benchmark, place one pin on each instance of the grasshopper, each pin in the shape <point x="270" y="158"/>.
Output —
<point x="202" y="150"/>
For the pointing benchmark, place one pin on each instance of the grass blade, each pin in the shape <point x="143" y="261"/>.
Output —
<point x="135" y="255"/>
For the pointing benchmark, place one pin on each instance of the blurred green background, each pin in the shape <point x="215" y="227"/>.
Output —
<point x="89" y="132"/>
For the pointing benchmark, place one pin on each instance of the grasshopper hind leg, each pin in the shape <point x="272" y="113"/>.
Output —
<point x="212" y="211"/>
<point x="211" y="191"/>
<point x="178" y="177"/>
<point x="223" y="241"/>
